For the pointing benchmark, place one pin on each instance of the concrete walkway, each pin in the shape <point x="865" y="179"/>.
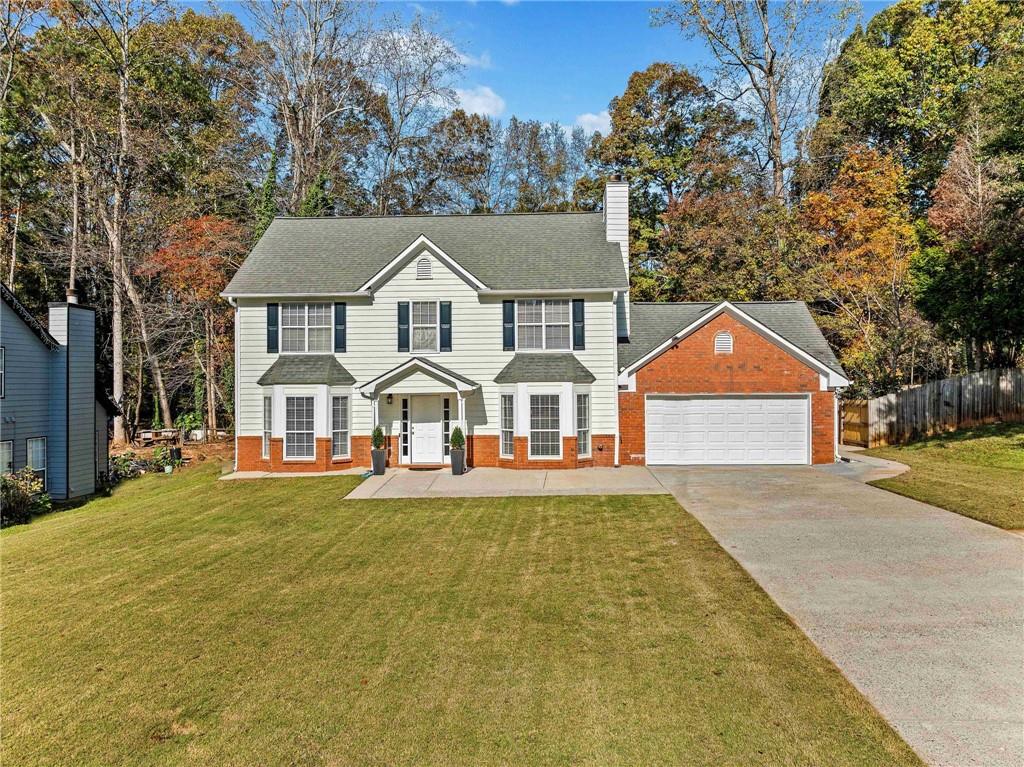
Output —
<point x="404" y="483"/>
<point x="922" y="609"/>
<point x="863" y="468"/>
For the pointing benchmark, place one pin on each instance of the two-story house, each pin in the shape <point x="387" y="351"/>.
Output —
<point x="518" y="328"/>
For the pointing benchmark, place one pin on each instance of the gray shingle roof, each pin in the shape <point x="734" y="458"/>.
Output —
<point x="651" y="324"/>
<point x="426" y="365"/>
<point x="306" y="369"/>
<point x="539" y="368"/>
<point x="506" y="252"/>
<point x="26" y="316"/>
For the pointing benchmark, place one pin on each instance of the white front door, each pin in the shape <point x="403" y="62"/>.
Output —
<point x="425" y="423"/>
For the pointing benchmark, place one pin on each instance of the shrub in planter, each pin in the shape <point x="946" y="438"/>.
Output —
<point x="21" y="498"/>
<point x="378" y="454"/>
<point x="457" y="443"/>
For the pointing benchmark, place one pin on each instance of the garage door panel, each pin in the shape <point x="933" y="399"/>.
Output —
<point x="727" y="430"/>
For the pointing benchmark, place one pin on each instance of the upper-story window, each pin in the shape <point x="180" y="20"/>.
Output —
<point x="723" y="342"/>
<point x="306" y="328"/>
<point x="543" y="323"/>
<point x="424" y="326"/>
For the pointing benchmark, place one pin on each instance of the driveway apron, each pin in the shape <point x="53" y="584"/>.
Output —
<point x="922" y="609"/>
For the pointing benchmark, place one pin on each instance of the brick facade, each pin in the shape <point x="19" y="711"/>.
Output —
<point x="756" y="365"/>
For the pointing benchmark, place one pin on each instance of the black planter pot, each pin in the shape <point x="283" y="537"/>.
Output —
<point x="458" y="461"/>
<point x="380" y="459"/>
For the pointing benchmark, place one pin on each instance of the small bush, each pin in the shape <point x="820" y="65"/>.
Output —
<point x="457" y="440"/>
<point x="127" y="466"/>
<point x="21" y="498"/>
<point x="162" y="457"/>
<point x="377" y="440"/>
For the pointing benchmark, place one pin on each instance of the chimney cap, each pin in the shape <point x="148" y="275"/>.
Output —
<point x="615" y="177"/>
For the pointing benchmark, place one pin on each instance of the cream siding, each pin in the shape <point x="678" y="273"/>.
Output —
<point x="372" y="343"/>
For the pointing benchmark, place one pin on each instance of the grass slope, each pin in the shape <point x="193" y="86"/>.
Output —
<point x="975" y="472"/>
<point x="188" y="621"/>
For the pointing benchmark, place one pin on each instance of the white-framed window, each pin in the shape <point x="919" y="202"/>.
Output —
<point x="307" y="328"/>
<point x="7" y="457"/>
<point x="723" y="342"/>
<point x="508" y="420"/>
<point x="545" y="431"/>
<point x="446" y="426"/>
<point x="544" y="323"/>
<point x="339" y="427"/>
<point x="299" y="431"/>
<point x="3" y="372"/>
<point x="36" y="457"/>
<point x="424" y="326"/>
<point x="268" y="423"/>
<point x="583" y="424"/>
<point x="423" y="268"/>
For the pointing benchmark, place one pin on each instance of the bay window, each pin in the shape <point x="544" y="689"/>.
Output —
<point x="545" y="432"/>
<point x="307" y="328"/>
<point x="339" y="427"/>
<point x="268" y="424"/>
<point x="299" y="435"/>
<point x="508" y="420"/>
<point x="583" y="425"/>
<point x="543" y="323"/>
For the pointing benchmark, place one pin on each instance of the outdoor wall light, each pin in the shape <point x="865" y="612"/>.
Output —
<point x="389" y="399"/>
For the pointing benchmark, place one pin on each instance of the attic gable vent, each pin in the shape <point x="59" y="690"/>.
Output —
<point x="723" y="342"/>
<point x="423" y="268"/>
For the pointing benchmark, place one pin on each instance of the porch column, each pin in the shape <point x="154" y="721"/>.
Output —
<point x="375" y="411"/>
<point x="462" y="412"/>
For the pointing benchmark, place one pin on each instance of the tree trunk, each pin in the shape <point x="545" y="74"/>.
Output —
<point x="151" y="358"/>
<point x="211" y="374"/>
<point x="117" y="350"/>
<point x="14" y="243"/>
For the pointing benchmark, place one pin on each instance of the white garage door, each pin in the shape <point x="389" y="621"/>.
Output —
<point x="739" y="430"/>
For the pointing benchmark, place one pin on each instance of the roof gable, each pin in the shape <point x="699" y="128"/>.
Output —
<point x="416" y="249"/>
<point x="507" y="252"/>
<point x="26" y="317"/>
<point x="788" y="324"/>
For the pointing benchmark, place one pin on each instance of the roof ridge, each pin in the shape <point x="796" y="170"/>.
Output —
<point x="442" y="215"/>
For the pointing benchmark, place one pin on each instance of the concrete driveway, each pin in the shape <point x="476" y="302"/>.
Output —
<point x="922" y="609"/>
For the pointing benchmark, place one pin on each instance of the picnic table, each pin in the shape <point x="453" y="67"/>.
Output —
<point x="148" y="437"/>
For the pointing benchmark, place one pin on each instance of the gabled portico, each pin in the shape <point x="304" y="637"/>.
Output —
<point x="418" y="403"/>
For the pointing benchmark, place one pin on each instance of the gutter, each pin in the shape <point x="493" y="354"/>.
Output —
<point x="336" y="294"/>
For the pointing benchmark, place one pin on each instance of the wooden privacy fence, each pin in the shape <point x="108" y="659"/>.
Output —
<point x="952" y="403"/>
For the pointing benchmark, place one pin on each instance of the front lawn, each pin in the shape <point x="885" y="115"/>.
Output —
<point x="189" y="621"/>
<point x="975" y="472"/>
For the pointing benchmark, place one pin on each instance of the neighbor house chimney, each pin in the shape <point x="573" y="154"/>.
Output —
<point x="616" y="227"/>
<point x="71" y="447"/>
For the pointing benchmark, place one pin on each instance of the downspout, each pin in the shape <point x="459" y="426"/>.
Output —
<point x="615" y="377"/>
<point x="835" y="423"/>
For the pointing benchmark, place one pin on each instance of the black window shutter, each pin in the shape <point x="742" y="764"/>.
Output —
<point x="403" y="326"/>
<point x="578" y="340"/>
<point x="272" y="329"/>
<point x="339" y="327"/>
<point x="508" y="315"/>
<point x="446" y="326"/>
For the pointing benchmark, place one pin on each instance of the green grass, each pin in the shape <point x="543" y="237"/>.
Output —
<point x="188" y="621"/>
<point x="975" y="472"/>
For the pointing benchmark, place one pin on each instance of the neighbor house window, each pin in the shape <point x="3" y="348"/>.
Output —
<point x="583" y="424"/>
<point x="7" y="457"/>
<point x="339" y="427"/>
<point x="268" y="424"/>
<point x="545" y="436"/>
<point x="306" y="328"/>
<point x="3" y="372"/>
<point x="723" y="342"/>
<point x="508" y="415"/>
<point x="424" y="326"/>
<point x="36" y="459"/>
<point x="543" y="323"/>
<point x="299" y="437"/>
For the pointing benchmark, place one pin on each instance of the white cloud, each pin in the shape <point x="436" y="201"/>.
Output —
<point x="591" y="122"/>
<point x="483" y="61"/>
<point x="480" y="100"/>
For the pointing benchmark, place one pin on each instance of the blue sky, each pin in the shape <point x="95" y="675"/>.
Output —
<point x="559" y="61"/>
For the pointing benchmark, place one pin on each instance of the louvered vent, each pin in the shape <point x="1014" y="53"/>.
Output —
<point x="423" y="269"/>
<point x="723" y="343"/>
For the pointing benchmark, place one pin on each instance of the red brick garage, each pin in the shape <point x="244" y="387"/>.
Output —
<point x="757" y="364"/>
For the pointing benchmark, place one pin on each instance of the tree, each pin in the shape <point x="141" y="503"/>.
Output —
<point x="769" y="57"/>
<point x="904" y="84"/>
<point x="264" y="201"/>
<point x="863" y="244"/>
<point x="669" y="138"/>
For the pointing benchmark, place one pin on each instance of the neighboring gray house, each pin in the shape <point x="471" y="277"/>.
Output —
<point x="53" y="416"/>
